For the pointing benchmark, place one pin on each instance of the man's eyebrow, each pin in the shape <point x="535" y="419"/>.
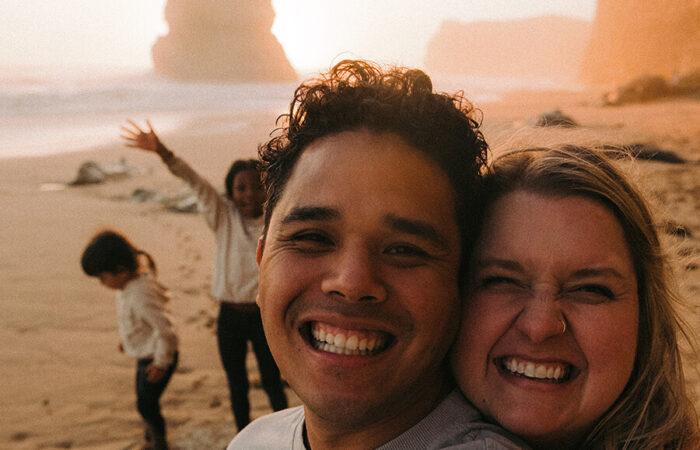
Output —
<point x="416" y="228"/>
<point x="306" y="213"/>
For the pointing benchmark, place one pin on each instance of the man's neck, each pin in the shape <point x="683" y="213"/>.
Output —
<point x="375" y="430"/>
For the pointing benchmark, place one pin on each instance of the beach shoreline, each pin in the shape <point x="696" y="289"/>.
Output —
<point x="65" y="385"/>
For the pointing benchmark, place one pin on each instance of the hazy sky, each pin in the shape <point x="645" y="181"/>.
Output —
<point x="67" y="34"/>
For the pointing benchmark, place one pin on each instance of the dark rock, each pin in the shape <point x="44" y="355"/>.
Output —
<point x="141" y="195"/>
<point x="645" y="152"/>
<point x="686" y="84"/>
<point x="186" y="205"/>
<point x="642" y="89"/>
<point x="89" y="172"/>
<point x="183" y="201"/>
<point x="685" y="252"/>
<point x="675" y="229"/>
<point x="555" y="118"/>
<point x="656" y="154"/>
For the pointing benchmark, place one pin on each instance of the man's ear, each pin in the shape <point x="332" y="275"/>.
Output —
<point x="259" y="249"/>
<point x="258" y="257"/>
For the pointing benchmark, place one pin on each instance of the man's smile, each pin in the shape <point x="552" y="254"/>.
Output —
<point x="341" y="341"/>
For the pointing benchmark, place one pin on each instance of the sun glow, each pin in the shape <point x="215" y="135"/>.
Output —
<point x="314" y="33"/>
<point x="302" y="48"/>
<point x="317" y="33"/>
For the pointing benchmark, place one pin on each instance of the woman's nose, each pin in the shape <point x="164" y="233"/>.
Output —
<point x="354" y="276"/>
<point x="541" y="318"/>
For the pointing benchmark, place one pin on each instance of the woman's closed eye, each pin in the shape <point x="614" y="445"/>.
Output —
<point x="591" y="293"/>
<point x="498" y="281"/>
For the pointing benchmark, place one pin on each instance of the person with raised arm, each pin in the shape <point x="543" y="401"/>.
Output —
<point x="237" y="223"/>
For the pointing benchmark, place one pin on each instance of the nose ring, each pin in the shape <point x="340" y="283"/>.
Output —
<point x="563" y="326"/>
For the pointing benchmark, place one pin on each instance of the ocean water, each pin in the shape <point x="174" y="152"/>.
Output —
<point x="45" y="113"/>
<point x="42" y="115"/>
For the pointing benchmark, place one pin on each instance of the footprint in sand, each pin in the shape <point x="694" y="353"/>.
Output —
<point x="198" y="383"/>
<point x="19" y="436"/>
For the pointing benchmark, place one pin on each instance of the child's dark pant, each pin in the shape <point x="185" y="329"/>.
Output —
<point x="148" y="395"/>
<point x="235" y="327"/>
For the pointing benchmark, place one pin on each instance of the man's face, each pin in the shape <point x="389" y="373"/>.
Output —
<point x="358" y="279"/>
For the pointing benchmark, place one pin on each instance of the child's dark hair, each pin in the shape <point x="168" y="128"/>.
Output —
<point x="110" y="251"/>
<point x="239" y="166"/>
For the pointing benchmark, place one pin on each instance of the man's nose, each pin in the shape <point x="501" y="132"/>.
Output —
<point x="354" y="276"/>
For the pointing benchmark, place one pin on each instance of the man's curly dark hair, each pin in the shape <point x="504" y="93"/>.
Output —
<point x="356" y="95"/>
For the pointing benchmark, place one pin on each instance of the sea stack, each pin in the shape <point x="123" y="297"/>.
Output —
<point x="632" y="38"/>
<point x="547" y="47"/>
<point x="221" y="41"/>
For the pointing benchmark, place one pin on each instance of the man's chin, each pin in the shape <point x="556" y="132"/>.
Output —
<point x="345" y="412"/>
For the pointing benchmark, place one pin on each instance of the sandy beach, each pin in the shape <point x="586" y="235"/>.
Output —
<point x="64" y="383"/>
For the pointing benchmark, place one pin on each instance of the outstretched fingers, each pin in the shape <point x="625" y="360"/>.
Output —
<point x="131" y="133"/>
<point x="136" y="127"/>
<point x="137" y="137"/>
<point x="128" y="134"/>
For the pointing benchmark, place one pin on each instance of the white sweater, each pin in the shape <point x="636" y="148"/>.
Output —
<point x="145" y="328"/>
<point x="235" y="270"/>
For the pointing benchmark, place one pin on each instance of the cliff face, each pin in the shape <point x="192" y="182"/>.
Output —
<point x="631" y="38"/>
<point x="221" y="40"/>
<point x="543" y="47"/>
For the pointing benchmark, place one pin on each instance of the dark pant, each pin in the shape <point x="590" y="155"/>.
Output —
<point x="235" y="327"/>
<point x="148" y="395"/>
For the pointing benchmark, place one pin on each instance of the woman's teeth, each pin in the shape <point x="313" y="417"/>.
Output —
<point x="549" y="372"/>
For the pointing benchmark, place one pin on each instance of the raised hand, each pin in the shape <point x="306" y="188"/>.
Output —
<point x="138" y="138"/>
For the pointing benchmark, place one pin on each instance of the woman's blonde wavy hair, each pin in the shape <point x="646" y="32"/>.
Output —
<point x="654" y="410"/>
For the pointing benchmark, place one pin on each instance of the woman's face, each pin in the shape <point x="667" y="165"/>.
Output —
<point x="543" y="262"/>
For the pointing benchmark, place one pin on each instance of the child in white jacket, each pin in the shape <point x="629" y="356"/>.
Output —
<point x="146" y="331"/>
<point x="237" y="222"/>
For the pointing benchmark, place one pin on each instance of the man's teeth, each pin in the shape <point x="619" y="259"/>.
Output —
<point x="346" y="343"/>
<point x="554" y="372"/>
